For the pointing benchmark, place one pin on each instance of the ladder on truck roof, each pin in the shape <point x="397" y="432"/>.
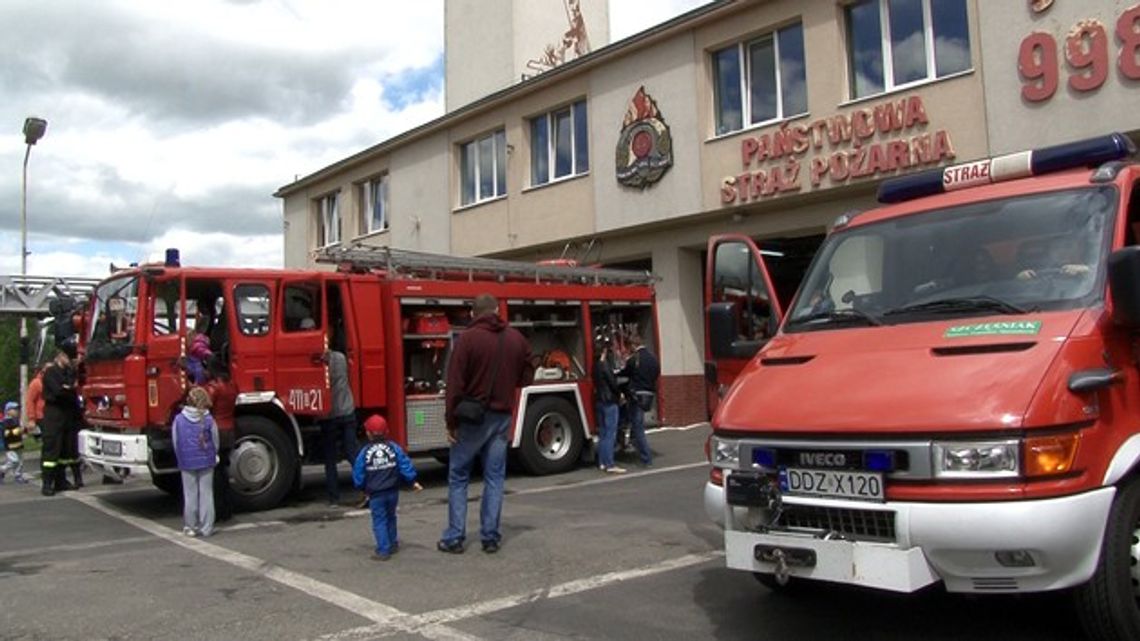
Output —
<point x="404" y="262"/>
<point x="31" y="295"/>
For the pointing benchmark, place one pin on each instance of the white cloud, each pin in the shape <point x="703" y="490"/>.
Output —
<point x="171" y="124"/>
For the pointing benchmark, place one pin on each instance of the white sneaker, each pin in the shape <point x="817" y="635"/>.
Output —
<point x="189" y="531"/>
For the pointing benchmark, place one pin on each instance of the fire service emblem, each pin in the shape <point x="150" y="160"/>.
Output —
<point x="645" y="148"/>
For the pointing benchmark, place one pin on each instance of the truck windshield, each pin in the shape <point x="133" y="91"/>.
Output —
<point x="1011" y="256"/>
<point x="112" y="331"/>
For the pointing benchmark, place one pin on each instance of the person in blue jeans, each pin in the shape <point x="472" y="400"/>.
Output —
<point x="378" y="470"/>
<point x="338" y="429"/>
<point x="643" y="371"/>
<point x="489" y="362"/>
<point x="606" y="395"/>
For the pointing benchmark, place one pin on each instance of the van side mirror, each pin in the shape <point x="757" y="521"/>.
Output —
<point x="1124" y="286"/>
<point x="723" y="338"/>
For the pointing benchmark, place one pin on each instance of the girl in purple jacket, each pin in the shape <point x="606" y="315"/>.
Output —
<point x="195" y="436"/>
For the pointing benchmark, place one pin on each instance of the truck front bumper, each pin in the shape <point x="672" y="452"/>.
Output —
<point x="1010" y="546"/>
<point x="111" y="453"/>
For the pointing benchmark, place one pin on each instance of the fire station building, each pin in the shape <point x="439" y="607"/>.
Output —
<point x="768" y="118"/>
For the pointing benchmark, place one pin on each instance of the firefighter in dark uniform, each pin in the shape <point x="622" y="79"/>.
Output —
<point x="61" y="415"/>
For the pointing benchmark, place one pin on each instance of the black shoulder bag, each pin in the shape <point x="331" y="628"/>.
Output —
<point x="471" y="410"/>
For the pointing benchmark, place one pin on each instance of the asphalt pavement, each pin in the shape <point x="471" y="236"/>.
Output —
<point x="585" y="556"/>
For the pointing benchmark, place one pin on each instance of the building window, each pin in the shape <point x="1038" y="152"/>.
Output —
<point x="761" y="80"/>
<point x="374" y="205"/>
<point x="328" y="221"/>
<point x="559" y="144"/>
<point x="894" y="43"/>
<point x="483" y="168"/>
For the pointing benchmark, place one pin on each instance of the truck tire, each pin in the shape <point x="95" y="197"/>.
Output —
<point x="263" y="464"/>
<point x="552" y="436"/>
<point x="1109" y="604"/>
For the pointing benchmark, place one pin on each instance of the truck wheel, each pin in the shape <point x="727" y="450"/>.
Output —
<point x="262" y="466"/>
<point x="552" y="436"/>
<point x="1109" y="604"/>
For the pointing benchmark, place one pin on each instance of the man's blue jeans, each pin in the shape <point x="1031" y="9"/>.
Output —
<point x="637" y="431"/>
<point x="607" y="416"/>
<point x="383" y="507"/>
<point x="486" y="441"/>
<point x="338" y="440"/>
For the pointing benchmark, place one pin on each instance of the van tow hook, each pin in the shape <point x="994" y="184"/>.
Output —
<point x="784" y="559"/>
<point x="781" y="566"/>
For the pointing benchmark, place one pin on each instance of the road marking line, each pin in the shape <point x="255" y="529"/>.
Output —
<point x="429" y="620"/>
<point x="609" y="478"/>
<point x="73" y="547"/>
<point x="378" y="613"/>
<point x="677" y="428"/>
<point x="94" y="545"/>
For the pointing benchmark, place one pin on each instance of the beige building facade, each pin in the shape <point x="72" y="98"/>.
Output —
<point x="1073" y="65"/>
<point x="767" y="118"/>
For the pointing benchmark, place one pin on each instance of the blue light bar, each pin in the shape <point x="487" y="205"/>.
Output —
<point x="1083" y="153"/>
<point x="1093" y="151"/>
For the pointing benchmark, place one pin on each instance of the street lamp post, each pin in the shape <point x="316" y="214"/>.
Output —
<point x="34" y="129"/>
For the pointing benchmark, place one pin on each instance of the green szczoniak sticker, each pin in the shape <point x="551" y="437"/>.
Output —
<point x="1008" y="328"/>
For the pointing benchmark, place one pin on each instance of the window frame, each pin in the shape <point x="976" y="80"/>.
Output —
<point x="263" y="324"/>
<point x="886" y="49"/>
<point x="579" y="161"/>
<point x="498" y="139"/>
<point x="367" y="202"/>
<point x="324" y="224"/>
<point x="744" y="65"/>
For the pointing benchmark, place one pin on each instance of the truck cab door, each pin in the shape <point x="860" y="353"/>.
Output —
<point x="301" y="338"/>
<point x="166" y="345"/>
<point x="741" y="310"/>
<point x="249" y="352"/>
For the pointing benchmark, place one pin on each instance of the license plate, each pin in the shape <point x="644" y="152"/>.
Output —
<point x="112" y="448"/>
<point x="863" y="486"/>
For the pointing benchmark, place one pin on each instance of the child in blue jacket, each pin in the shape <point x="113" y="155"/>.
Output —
<point x="378" y="470"/>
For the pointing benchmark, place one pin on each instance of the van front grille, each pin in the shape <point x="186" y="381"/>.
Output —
<point x="861" y="525"/>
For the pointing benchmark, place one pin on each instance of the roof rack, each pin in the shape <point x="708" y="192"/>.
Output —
<point x="408" y="263"/>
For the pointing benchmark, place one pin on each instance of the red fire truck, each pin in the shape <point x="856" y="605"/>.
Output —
<point x="953" y="395"/>
<point x="395" y="314"/>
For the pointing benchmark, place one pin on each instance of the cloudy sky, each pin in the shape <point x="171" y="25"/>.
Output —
<point x="170" y="124"/>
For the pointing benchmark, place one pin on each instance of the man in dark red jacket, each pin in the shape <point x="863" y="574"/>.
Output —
<point x="491" y="360"/>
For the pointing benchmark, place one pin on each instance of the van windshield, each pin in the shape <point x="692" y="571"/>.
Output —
<point x="112" y="331"/>
<point x="1012" y="256"/>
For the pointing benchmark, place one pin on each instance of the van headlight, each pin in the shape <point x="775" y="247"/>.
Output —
<point x="977" y="459"/>
<point x="725" y="452"/>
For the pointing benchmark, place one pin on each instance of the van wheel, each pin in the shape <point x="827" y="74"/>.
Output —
<point x="552" y="436"/>
<point x="263" y="465"/>
<point x="1109" y="604"/>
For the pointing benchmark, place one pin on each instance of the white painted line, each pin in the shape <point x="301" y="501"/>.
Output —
<point x="429" y="620"/>
<point x="378" y="613"/>
<point x="608" y="478"/>
<point x="73" y="547"/>
<point x="677" y="428"/>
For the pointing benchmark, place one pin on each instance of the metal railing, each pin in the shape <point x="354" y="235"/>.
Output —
<point x="403" y="262"/>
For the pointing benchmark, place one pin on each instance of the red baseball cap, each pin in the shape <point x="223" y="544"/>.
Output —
<point x="376" y="425"/>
